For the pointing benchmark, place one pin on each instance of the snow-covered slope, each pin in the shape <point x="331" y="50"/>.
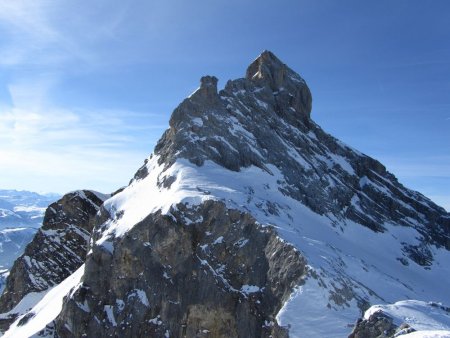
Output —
<point x="245" y="172"/>
<point x="421" y="316"/>
<point x="350" y="265"/>
<point x="43" y="308"/>
<point x="409" y="318"/>
<point x="367" y="239"/>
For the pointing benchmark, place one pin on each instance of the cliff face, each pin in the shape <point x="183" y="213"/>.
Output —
<point x="248" y="220"/>
<point x="203" y="271"/>
<point x="56" y="251"/>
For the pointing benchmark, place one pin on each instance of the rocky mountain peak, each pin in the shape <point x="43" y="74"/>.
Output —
<point x="269" y="68"/>
<point x="272" y="98"/>
<point x="269" y="71"/>
<point x="248" y="220"/>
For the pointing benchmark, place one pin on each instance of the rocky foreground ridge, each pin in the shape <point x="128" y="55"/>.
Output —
<point x="57" y="250"/>
<point x="248" y="220"/>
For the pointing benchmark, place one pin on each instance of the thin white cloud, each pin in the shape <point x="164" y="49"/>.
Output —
<point x="57" y="33"/>
<point x="66" y="171"/>
<point x="69" y="148"/>
<point x="58" y="128"/>
<point x="25" y="24"/>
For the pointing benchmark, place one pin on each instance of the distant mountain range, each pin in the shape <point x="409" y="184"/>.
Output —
<point x="21" y="214"/>
<point x="23" y="208"/>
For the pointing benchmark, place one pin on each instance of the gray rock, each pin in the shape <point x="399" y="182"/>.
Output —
<point x="379" y="325"/>
<point x="264" y="119"/>
<point x="56" y="251"/>
<point x="206" y="271"/>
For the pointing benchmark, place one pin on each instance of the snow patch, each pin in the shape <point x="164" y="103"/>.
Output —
<point x="47" y="309"/>
<point x="248" y="289"/>
<point x="422" y="316"/>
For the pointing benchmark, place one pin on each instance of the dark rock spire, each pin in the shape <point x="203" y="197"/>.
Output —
<point x="268" y="71"/>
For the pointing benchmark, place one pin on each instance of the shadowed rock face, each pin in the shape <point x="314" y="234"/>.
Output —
<point x="56" y="251"/>
<point x="378" y="325"/>
<point x="203" y="271"/>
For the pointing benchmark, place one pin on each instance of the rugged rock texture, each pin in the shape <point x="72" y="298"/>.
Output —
<point x="12" y="243"/>
<point x="264" y="119"/>
<point x="186" y="249"/>
<point x="57" y="250"/>
<point x="202" y="272"/>
<point x="379" y="325"/>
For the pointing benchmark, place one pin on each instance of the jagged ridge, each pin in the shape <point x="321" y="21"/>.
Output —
<point x="56" y="251"/>
<point x="252" y="150"/>
<point x="264" y="119"/>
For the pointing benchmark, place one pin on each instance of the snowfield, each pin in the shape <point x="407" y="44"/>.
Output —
<point x="348" y="255"/>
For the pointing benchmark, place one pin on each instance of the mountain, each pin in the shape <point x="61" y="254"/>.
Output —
<point x="12" y="244"/>
<point x="248" y="220"/>
<point x="57" y="250"/>
<point x="21" y="214"/>
<point x="23" y="208"/>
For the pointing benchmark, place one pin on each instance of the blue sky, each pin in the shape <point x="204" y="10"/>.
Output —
<point x="86" y="90"/>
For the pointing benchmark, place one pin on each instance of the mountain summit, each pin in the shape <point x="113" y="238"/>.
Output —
<point x="268" y="71"/>
<point x="248" y="220"/>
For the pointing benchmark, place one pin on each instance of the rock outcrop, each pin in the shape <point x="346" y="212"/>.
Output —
<point x="427" y="319"/>
<point x="56" y="251"/>
<point x="220" y="275"/>
<point x="264" y="119"/>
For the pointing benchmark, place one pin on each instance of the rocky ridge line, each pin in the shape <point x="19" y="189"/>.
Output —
<point x="264" y="119"/>
<point x="56" y="251"/>
<point x="179" y="251"/>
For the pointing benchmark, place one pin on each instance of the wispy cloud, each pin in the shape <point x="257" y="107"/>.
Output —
<point x="30" y="34"/>
<point x="70" y="149"/>
<point x="96" y="148"/>
<point x="48" y="33"/>
<point x="66" y="147"/>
